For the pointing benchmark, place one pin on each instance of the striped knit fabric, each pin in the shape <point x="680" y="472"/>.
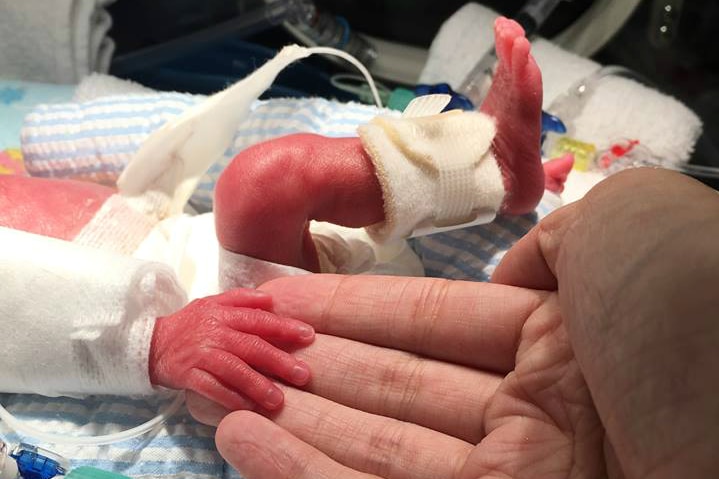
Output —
<point x="94" y="141"/>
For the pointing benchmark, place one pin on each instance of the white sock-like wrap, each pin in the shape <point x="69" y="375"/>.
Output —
<point x="437" y="172"/>
<point x="78" y="320"/>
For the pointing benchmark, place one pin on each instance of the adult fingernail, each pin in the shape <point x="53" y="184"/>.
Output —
<point x="299" y="375"/>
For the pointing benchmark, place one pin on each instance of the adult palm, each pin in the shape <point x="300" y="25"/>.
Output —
<point x="486" y="385"/>
<point x="421" y="378"/>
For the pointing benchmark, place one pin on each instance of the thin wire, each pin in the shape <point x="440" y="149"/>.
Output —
<point x="26" y="430"/>
<point x="357" y="85"/>
<point x="346" y="56"/>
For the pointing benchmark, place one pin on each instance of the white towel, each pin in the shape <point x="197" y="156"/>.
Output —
<point x="98" y="85"/>
<point x="58" y="41"/>
<point x="618" y="108"/>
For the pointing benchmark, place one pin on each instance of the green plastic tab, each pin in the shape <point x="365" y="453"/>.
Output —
<point x="92" y="473"/>
<point x="400" y="98"/>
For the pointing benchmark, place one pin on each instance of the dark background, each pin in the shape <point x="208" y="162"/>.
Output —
<point x="684" y="64"/>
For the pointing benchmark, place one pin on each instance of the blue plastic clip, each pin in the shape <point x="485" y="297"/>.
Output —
<point x="551" y="123"/>
<point x="37" y="463"/>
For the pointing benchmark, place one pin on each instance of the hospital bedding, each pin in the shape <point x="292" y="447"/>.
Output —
<point x="97" y="138"/>
<point x="17" y="99"/>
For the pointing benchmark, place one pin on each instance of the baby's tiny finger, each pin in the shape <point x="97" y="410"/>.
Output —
<point x="240" y="377"/>
<point x="268" y="325"/>
<point x="263" y="356"/>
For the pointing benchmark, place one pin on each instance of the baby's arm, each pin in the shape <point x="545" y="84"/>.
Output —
<point x="214" y="346"/>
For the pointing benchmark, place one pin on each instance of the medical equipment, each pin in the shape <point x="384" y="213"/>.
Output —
<point x="31" y="462"/>
<point x="569" y="106"/>
<point x="357" y="85"/>
<point x="268" y="15"/>
<point x="92" y="473"/>
<point x="317" y="28"/>
<point x="25" y="429"/>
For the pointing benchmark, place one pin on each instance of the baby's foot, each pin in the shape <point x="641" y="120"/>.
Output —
<point x="556" y="172"/>
<point x="515" y="101"/>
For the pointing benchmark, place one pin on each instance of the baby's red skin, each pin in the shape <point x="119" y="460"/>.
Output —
<point x="223" y="346"/>
<point x="267" y="195"/>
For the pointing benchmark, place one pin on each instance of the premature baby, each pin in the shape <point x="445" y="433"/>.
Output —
<point x="443" y="169"/>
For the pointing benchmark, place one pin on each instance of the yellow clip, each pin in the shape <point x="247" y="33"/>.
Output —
<point x="584" y="153"/>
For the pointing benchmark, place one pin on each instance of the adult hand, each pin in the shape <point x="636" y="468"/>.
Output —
<point x="611" y="370"/>
<point x="636" y="267"/>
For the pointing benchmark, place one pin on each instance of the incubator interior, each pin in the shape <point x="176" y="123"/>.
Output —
<point x="153" y="103"/>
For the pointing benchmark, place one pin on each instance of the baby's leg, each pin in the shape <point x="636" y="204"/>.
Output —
<point x="267" y="195"/>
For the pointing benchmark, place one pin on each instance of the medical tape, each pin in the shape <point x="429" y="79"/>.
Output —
<point x="437" y="172"/>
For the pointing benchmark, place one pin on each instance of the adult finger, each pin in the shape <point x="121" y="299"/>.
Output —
<point x="477" y="324"/>
<point x="445" y="397"/>
<point x="207" y="411"/>
<point x="258" y="449"/>
<point x="637" y="284"/>
<point x="371" y="443"/>
<point x="245" y="298"/>
<point x="207" y="385"/>
<point x="530" y="262"/>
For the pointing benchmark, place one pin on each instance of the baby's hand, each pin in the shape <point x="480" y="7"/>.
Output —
<point x="217" y="345"/>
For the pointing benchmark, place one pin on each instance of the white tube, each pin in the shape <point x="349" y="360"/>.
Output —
<point x="26" y="430"/>
<point x="346" y="56"/>
<point x="8" y="467"/>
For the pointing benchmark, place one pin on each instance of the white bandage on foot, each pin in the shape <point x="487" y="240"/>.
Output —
<point x="437" y="172"/>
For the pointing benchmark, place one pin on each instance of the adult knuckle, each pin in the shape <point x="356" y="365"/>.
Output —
<point x="428" y="308"/>
<point x="400" y="383"/>
<point x="385" y="445"/>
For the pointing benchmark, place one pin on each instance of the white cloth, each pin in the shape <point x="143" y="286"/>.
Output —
<point x="77" y="320"/>
<point x="58" y="41"/>
<point x="618" y="108"/>
<point x="98" y="85"/>
<point x="188" y="244"/>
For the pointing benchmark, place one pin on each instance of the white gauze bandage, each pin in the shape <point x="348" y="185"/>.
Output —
<point x="437" y="172"/>
<point x="118" y="227"/>
<point x="78" y="320"/>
